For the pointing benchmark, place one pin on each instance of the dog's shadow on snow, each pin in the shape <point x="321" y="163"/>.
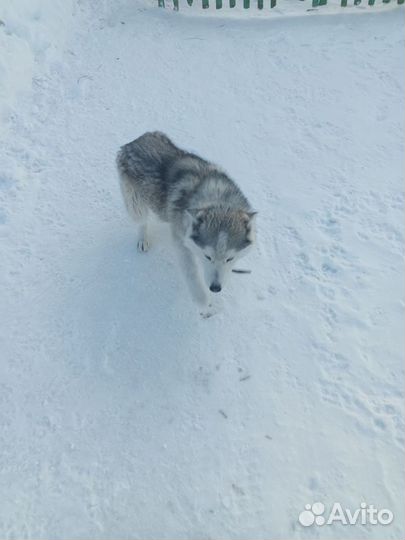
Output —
<point x="129" y="312"/>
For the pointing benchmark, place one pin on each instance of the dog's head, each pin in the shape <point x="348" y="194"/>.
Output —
<point x="218" y="237"/>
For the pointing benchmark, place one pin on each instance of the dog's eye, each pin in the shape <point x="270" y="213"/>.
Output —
<point x="207" y="257"/>
<point x="230" y="259"/>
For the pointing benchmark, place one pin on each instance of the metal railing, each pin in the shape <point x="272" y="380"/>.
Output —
<point x="260" y="4"/>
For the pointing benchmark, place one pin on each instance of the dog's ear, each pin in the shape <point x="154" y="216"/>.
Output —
<point x="248" y="216"/>
<point x="250" y="226"/>
<point x="195" y="215"/>
<point x="251" y="215"/>
<point x="193" y="219"/>
<point x="190" y="219"/>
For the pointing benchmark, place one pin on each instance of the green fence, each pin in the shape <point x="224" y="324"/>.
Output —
<point x="260" y="4"/>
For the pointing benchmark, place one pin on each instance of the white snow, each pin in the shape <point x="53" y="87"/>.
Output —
<point x="31" y="31"/>
<point x="123" y="414"/>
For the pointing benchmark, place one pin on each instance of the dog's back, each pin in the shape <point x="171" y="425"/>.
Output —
<point x="142" y="165"/>
<point x="157" y="175"/>
<point x="147" y="155"/>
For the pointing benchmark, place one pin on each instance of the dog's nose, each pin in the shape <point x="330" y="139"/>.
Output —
<point x="215" y="287"/>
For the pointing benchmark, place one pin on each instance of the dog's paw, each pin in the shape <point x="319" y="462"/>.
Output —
<point x="207" y="312"/>
<point x="143" y="245"/>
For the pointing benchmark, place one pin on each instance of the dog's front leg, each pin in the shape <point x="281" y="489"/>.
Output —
<point x="194" y="280"/>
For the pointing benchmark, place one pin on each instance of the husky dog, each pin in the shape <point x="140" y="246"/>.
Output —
<point x="211" y="220"/>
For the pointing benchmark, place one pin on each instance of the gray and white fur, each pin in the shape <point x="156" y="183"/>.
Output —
<point x="211" y="220"/>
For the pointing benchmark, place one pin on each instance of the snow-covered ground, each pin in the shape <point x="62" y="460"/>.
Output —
<point x="32" y="33"/>
<point x="123" y="414"/>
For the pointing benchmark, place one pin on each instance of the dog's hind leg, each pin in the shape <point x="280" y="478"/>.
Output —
<point x="137" y="209"/>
